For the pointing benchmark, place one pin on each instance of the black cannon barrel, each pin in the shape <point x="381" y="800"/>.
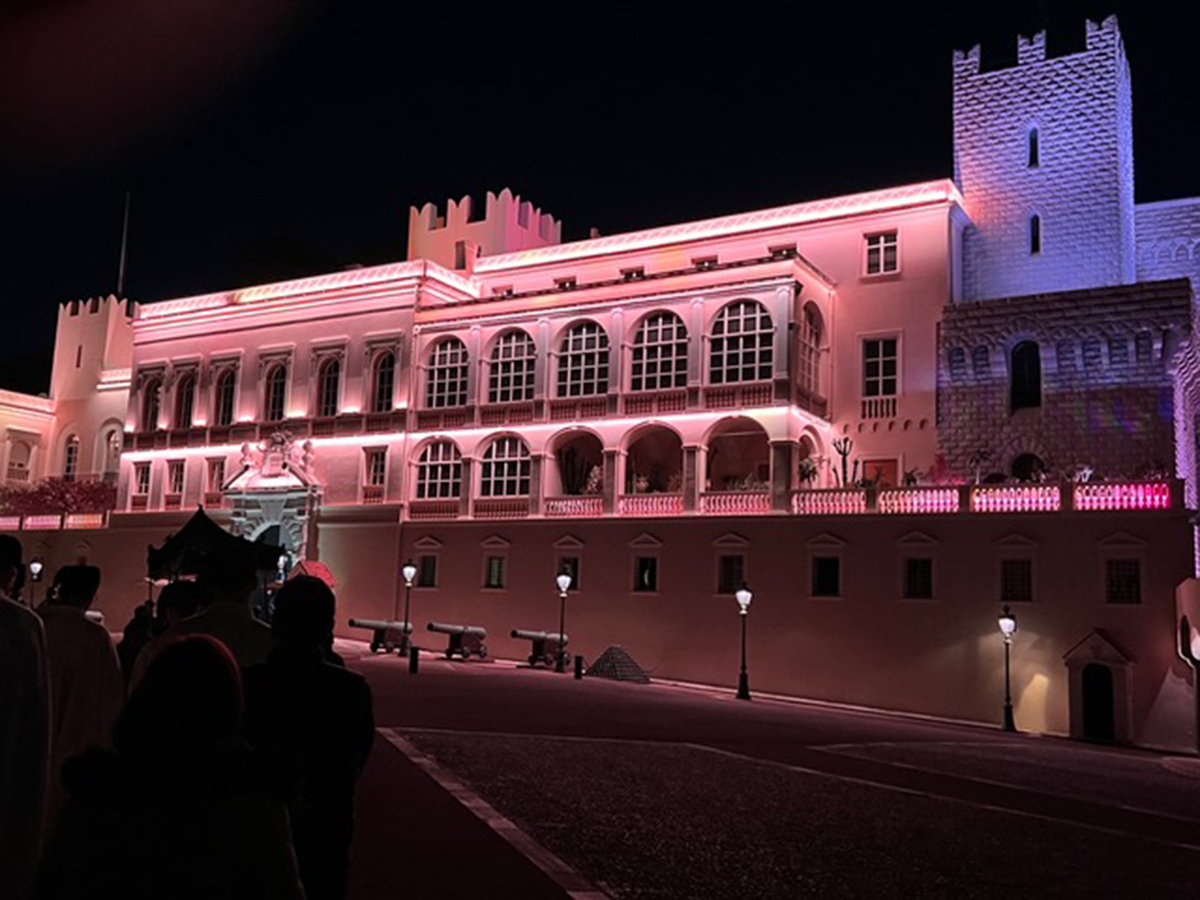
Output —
<point x="525" y="634"/>
<point x="467" y="630"/>
<point x="382" y="625"/>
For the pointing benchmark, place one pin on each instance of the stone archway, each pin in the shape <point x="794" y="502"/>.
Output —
<point x="1099" y="690"/>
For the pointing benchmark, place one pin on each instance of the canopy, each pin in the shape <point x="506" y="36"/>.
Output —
<point x="183" y="552"/>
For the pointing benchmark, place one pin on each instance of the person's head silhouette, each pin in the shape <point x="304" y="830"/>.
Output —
<point x="75" y="586"/>
<point x="229" y="576"/>
<point x="304" y="611"/>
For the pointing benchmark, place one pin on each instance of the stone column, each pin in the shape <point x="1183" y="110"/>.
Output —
<point x="784" y="456"/>
<point x="466" y="494"/>
<point x="535" y="483"/>
<point x="692" y="459"/>
<point x="613" y="460"/>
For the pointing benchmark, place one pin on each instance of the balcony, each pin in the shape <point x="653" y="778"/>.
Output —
<point x="654" y="403"/>
<point x="906" y="501"/>
<point x="879" y="408"/>
<point x="1021" y="498"/>
<point x="735" y="503"/>
<point x="172" y="501"/>
<point x="813" y="403"/>
<point x="575" y="408"/>
<point x="738" y="396"/>
<point x="578" y="507"/>
<point x="502" y="508"/>
<point x="429" y="510"/>
<point x="830" y="502"/>
<point x="506" y="413"/>
<point x="1147" y="495"/>
<point x="18" y="472"/>
<point x="650" y="505"/>
<point x="372" y="494"/>
<point x="214" y="500"/>
<point x="439" y="419"/>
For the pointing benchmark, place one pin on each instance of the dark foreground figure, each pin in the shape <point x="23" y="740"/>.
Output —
<point x="317" y="715"/>
<point x="182" y="807"/>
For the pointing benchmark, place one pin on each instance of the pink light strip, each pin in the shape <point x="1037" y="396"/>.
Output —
<point x="1016" y="498"/>
<point x="919" y="500"/>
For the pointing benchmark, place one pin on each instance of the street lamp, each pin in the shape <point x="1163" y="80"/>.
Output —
<point x="1008" y="627"/>
<point x="743" y="596"/>
<point x="409" y="571"/>
<point x="36" y="566"/>
<point x="564" y="584"/>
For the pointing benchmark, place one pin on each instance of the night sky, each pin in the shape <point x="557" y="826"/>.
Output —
<point x="267" y="139"/>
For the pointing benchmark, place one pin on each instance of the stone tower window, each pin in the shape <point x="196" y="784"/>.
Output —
<point x="1035" y="154"/>
<point x="1025" y="372"/>
<point x="1035" y="234"/>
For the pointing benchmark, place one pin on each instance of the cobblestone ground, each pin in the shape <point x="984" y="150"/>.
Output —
<point x="651" y="821"/>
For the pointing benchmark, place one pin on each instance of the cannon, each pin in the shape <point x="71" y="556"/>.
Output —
<point x="387" y="634"/>
<point x="544" y="647"/>
<point x="465" y="640"/>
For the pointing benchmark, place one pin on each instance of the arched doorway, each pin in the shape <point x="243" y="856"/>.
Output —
<point x="579" y="465"/>
<point x="1099" y="720"/>
<point x="1028" y="467"/>
<point x="739" y="457"/>
<point x="654" y="463"/>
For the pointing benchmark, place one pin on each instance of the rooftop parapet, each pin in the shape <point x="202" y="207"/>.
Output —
<point x="507" y="224"/>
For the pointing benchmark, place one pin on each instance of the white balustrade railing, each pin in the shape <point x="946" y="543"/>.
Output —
<point x="650" y="505"/>
<point x="918" y="500"/>
<point x="1116" y="496"/>
<point x="991" y="498"/>
<point x="574" y="507"/>
<point x="735" y="502"/>
<point x="830" y="502"/>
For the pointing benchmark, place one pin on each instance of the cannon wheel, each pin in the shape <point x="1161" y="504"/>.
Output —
<point x="481" y="652"/>
<point x="374" y="647"/>
<point x="449" y="653"/>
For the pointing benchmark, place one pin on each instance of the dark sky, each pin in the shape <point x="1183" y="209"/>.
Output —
<point x="266" y="139"/>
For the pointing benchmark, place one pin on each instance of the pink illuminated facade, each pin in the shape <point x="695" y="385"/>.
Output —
<point x="888" y="412"/>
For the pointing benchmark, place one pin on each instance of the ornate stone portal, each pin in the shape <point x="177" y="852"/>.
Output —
<point x="275" y="486"/>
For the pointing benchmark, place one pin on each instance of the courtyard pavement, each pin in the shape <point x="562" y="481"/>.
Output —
<point x="501" y="781"/>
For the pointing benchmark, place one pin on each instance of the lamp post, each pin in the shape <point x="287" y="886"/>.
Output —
<point x="1008" y="627"/>
<point x="743" y="596"/>
<point x="36" y="566"/>
<point x="564" y="584"/>
<point x="409" y="572"/>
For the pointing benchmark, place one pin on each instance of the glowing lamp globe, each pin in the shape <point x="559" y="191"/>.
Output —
<point x="35" y="569"/>
<point x="1008" y="624"/>
<point x="564" y="582"/>
<point x="743" y="596"/>
<point x="409" y="571"/>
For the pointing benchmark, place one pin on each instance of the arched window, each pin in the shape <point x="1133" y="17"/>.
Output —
<point x="112" y="454"/>
<point x="1035" y="150"/>
<point x="329" y="383"/>
<point x="505" y="470"/>
<point x="1118" y="350"/>
<point x="1064" y="352"/>
<point x="583" y="361"/>
<point x="958" y="363"/>
<point x="439" y="472"/>
<point x="19" y="456"/>
<point x="185" y="400"/>
<point x="1093" y="353"/>
<point x="1035" y="234"/>
<point x="383" y="382"/>
<point x="660" y="354"/>
<point x="742" y="344"/>
<point x="223" y="393"/>
<point x="446" y="375"/>
<point x="981" y="361"/>
<point x="275" y="393"/>
<point x="512" y="367"/>
<point x="1028" y="467"/>
<point x="151" y="400"/>
<point x="1026" y="376"/>
<point x="71" y="458"/>
<point x="809" y="361"/>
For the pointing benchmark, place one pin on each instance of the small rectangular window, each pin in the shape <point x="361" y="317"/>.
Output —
<point x="141" y="478"/>
<point x="570" y="565"/>
<point x="882" y="253"/>
<point x="826" y="576"/>
<point x="1035" y="234"/>
<point x="376" y="467"/>
<point x="216" y="474"/>
<point x="1123" y="581"/>
<point x="175" y="477"/>
<point x="1035" y="154"/>
<point x="731" y="573"/>
<point x="427" y="571"/>
<point x="880" y="367"/>
<point x="918" y="578"/>
<point x="645" y="574"/>
<point x="1118" y="351"/>
<point x="1016" y="580"/>
<point x="494" y="572"/>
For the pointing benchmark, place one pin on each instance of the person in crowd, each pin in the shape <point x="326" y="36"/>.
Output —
<point x="317" y="715"/>
<point x="24" y="729"/>
<point x="230" y="578"/>
<point x="181" y="795"/>
<point x="86" y="688"/>
<point x="138" y="633"/>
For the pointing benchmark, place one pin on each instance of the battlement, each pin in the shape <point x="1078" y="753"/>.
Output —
<point x="456" y="239"/>
<point x="1031" y="50"/>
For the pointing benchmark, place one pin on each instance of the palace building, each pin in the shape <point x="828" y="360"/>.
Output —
<point x="890" y="414"/>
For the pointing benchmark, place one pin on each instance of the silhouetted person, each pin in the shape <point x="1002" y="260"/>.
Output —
<point x="86" y="688"/>
<point x="318" y="715"/>
<point x="230" y="578"/>
<point x="138" y="633"/>
<point x="181" y="807"/>
<point x="24" y="729"/>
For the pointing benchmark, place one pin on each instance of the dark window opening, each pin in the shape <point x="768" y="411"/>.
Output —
<point x="570" y="565"/>
<point x="731" y="573"/>
<point x="1028" y="467"/>
<point x="1035" y="234"/>
<point x="918" y="578"/>
<point x="427" y="571"/>
<point x="494" y="572"/>
<point x="1034" y="149"/>
<point x="1026" y="374"/>
<point x="645" y="574"/>
<point x="826" y="576"/>
<point x="1123" y="581"/>
<point x="1016" y="580"/>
